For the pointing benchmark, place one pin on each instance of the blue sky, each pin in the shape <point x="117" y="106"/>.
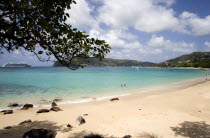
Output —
<point x="144" y="30"/>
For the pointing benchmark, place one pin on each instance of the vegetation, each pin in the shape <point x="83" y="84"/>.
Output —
<point x="196" y="59"/>
<point x="109" y="62"/>
<point x="38" y="26"/>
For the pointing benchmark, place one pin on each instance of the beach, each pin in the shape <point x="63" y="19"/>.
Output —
<point x="170" y="112"/>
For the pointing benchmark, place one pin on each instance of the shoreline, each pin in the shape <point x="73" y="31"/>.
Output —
<point x="199" y="68"/>
<point x="100" y="97"/>
<point x="154" y="112"/>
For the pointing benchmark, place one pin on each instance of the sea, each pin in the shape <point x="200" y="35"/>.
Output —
<point x="40" y="85"/>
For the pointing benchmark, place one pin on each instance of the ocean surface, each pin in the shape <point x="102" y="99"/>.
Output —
<point x="41" y="85"/>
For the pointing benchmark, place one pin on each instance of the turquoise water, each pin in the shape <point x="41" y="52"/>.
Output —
<point x="40" y="84"/>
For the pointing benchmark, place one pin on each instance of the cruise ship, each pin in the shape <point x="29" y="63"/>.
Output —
<point x="11" y="64"/>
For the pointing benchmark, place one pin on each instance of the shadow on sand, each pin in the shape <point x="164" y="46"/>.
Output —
<point x="17" y="131"/>
<point x="193" y="129"/>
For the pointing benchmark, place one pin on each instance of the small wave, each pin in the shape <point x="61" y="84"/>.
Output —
<point x="83" y="100"/>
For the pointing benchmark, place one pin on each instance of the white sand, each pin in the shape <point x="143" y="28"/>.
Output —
<point x="160" y="110"/>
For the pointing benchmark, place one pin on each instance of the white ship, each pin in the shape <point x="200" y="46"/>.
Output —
<point x="11" y="64"/>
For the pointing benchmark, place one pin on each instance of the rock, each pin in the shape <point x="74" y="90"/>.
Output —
<point x="56" y="109"/>
<point x="114" y="99"/>
<point x="85" y="115"/>
<point x="127" y="136"/>
<point x="40" y="133"/>
<point x="13" y="105"/>
<point x="25" y="122"/>
<point x="27" y="106"/>
<point x="93" y="136"/>
<point x="54" y="104"/>
<point x="70" y="126"/>
<point x="43" y="111"/>
<point x="8" y="127"/>
<point x="5" y="132"/>
<point x="57" y="100"/>
<point x="7" y="112"/>
<point x="80" y="120"/>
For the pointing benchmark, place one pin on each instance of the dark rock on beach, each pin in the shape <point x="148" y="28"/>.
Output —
<point x="114" y="99"/>
<point x="25" y="122"/>
<point x="13" y="105"/>
<point x="8" y="127"/>
<point x="57" y="100"/>
<point x="7" y="112"/>
<point x="27" y="106"/>
<point x="93" y="136"/>
<point x="56" y="109"/>
<point x="53" y="104"/>
<point x="127" y="136"/>
<point x="80" y="120"/>
<point x="40" y="133"/>
<point x="85" y="115"/>
<point x="43" y="111"/>
<point x="70" y="126"/>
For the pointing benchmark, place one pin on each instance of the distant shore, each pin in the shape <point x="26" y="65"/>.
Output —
<point x="186" y="68"/>
<point x="156" y="112"/>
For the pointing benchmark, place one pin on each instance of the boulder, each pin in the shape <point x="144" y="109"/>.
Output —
<point x="13" y="105"/>
<point x="7" y="112"/>
<point x="57" y="100"/>
<point x="53" y="104"/>
<point x="25" y="122"/>
<point x="85" y="115"/>
<point x="80" y="120"/>
<point x="70" y="126"/>
<point x="127" y="136"/>
<point x="43" y="111"/>
<point x="93" y="136"/>
<point x="114" y="99"/>
<point x="8" y="127"/>
<point x="27" y="106"/>
<point x="40" y="133"/>
<point x="56" y="109"/>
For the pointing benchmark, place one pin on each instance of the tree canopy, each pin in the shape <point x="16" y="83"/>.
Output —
<point x="30" y="24"/>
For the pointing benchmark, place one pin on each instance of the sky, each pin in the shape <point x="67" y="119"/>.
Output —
<point x="143" y="30"/>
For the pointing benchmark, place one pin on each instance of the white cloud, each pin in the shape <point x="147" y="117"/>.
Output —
<point x="143" y="15"/>
<point x="146" y="16"/>
<point x="207" y="46"/>
<point x="149" y="16"/>
<point x="207" y="43"/>
<point x="197" y="26"/>
<point x="156" y="49"/>
<point x="167" y="2"/>
<point x="17" y="52"/>
<point x="117" y="38"/>
<point x="167" y="45"/>
<point x="80" y="16"/>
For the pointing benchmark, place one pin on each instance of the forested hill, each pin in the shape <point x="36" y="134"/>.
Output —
<point x="111" y="62"/>
<point x="196" y="59"/>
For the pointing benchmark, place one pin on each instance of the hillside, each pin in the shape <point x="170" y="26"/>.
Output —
<point x="196" y="59"/>
<point x="111" y="62"/>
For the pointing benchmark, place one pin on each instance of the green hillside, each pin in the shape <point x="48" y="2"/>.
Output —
<point x="110" y="62"/>
<point x="196" y="59"/>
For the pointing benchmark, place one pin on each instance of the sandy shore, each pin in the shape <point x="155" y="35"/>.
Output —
<point x="163" y="113"/>
<point x="199" y="68"/>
